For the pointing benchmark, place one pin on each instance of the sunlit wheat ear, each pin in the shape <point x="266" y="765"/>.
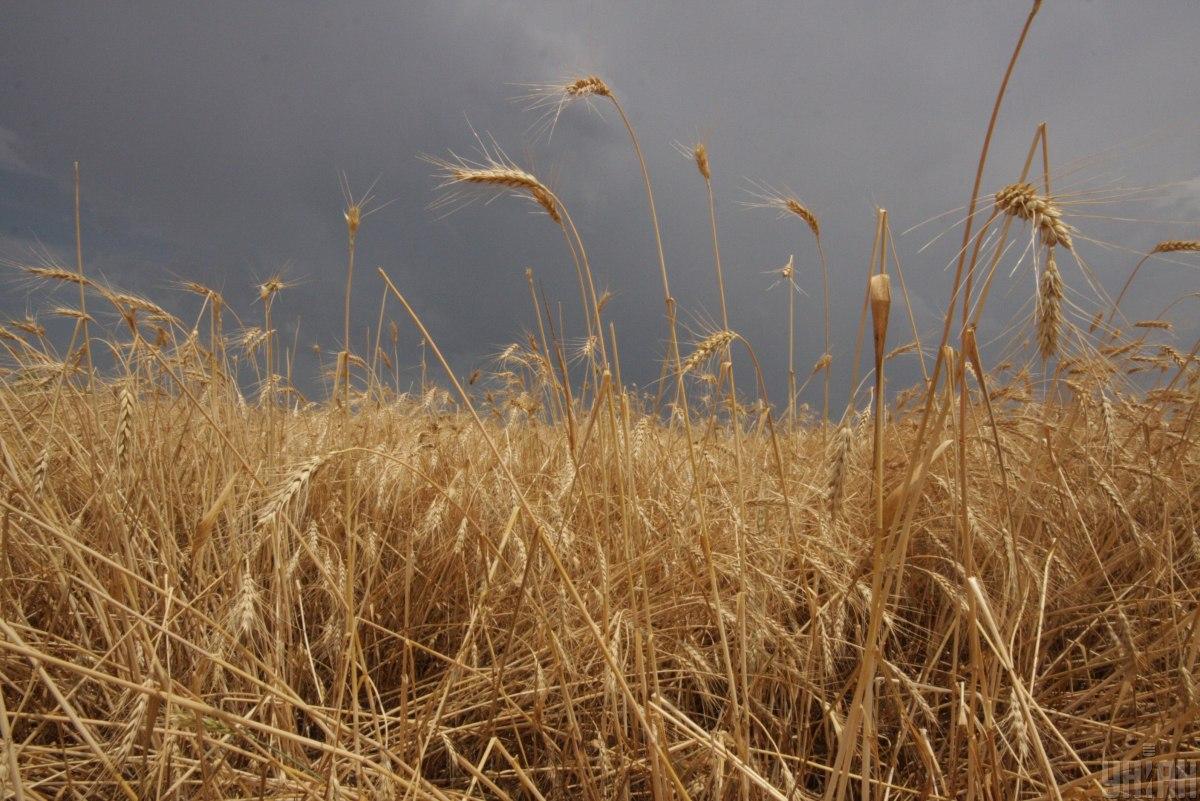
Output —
<point x="295" y="484"/>
<point x="699" y="154"/>
<point x="245" y="610"/>
<point x="1049" y="308"/>
<point x="587" y="86"/>
<point x="40" y="470"/>
<point x="357" y="209"/>
<point x="272" y="286"/>
<point x="786" y="203"/>
<point x="1109" y="418"/>
<point x="29" y="326"/>
<point x="124" y="427"/>
<point x="1161" y="325"/>
<point x="127" y="305"/>
<point x="57" y="274"/>
<point x="709" y="346"/>
<point x="71" y="314"/>
<point x="203" y="291"/>
<point x="496" y="173"/>
<point x="821" y="363"/>
<point x="1177" y="246"/>
<point x="1023" y="201"/>
<point x="788" y="271"/>
<point x="835" y="485"/>
<point x="552" y="98"/>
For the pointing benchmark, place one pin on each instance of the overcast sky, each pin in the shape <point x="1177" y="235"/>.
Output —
<point x="211" y="137"/>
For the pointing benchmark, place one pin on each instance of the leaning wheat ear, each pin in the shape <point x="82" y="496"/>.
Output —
<point x="499" y="173"/>
<point x="707" y="347"/>
<point x="1023" y="201"/>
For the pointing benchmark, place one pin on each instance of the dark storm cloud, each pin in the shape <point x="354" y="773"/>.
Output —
<point x="211" y="137"/>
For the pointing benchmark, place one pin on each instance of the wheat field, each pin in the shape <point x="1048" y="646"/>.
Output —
<point x="539" y="584"/>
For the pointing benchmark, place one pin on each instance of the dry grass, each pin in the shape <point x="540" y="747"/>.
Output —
<point x="548" y="587"/>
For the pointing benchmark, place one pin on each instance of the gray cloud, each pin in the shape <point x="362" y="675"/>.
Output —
<point x="211" y="137"/>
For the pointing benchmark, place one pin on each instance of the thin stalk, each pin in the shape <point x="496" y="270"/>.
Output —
<point x="87" y="342"/>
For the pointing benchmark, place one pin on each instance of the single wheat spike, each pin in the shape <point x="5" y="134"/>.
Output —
<point x="200" y="289"/>
<point x="245" y="611"/>
<point x="707" y="347"/>
<point x="512" y="178"/>
<point x="1022" y="200"/>
<point x="40" y="470"/>
<point x="353" y="215"/>
<point x="72" y="314"/>
<point x="1176" y="246"/>
<point x="700" y="154"/>
<point x="296" y="482"/>
<point x="767" y="197"/>
<point x="788" y="271"/>
<point x="126" y="303"/>
<point x="587" y="86"/>
<point x="29" y="326"/>
<point x="274" y="285"/>
<point x="836" y="483"/>
<point x="1162" y="325"/>
<point x="823" y="362"/>
<point x="124" y="427"/>
<point x="800" y="210"/>
<point x="1049" y="308"/>
<point x="58" y="274"/>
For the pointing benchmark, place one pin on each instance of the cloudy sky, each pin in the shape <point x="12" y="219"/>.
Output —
<point x="212" y="135"/>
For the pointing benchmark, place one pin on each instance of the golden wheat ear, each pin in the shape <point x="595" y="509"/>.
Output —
<point x="1022" y="200"/>
<point x="707" y="347"/>
<point x="1049" y="308"/>
<point x="495" y="173"/>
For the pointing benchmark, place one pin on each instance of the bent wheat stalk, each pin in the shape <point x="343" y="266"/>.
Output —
<point x="1166" y="246"/>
